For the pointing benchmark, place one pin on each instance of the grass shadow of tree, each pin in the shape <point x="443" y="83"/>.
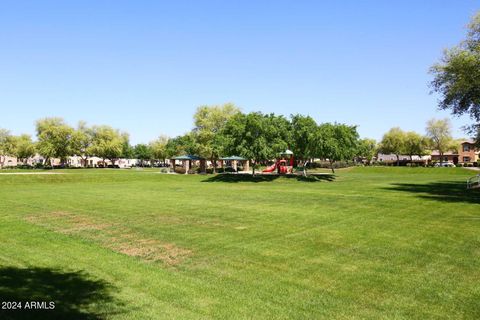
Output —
<point x="444" y="191"/>
<point x="75" y="294"/>
<point x="234" y="178"/>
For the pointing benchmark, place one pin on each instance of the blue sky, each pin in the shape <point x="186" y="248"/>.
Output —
<point x="144" y="66"/>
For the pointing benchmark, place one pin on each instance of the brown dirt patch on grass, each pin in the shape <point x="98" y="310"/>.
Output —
<point x="113" y="236"/>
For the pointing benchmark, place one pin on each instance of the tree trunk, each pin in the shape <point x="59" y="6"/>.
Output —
<point x="253" y="166"/>
<point x="398" y="160"/>
<point x="331" y="166"/>
<point x="214" y="165"/>
<point x="441" y="158"/>
<point x="305" y="168"/>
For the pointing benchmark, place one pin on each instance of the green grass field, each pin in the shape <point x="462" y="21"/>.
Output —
<point x="369" y="243"/>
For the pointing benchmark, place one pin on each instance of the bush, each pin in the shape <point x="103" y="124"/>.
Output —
<point x="180" y="170"/>
<point x="327" y="165"/>
<point x="24" y="166"/>
<point x="39" y="165"/>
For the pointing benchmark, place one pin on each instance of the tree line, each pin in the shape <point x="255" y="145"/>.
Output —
<point x="438" y="137"/>
<point x="223" y="130"/>
<point x="219" y="130"/>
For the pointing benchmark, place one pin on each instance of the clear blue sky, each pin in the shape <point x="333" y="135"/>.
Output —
<point x="144" y="66"/>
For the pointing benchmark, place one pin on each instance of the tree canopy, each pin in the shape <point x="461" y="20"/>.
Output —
<point x="367" y="148"/>
<point x="142" y="152"/>
<point x="107" y="142"/>
<point x="303" y="130"/>
<point x="159" y="148"/>
<point x="440" y="136"/>
<point x="335" y="142"/>
<point x="6" y="145"/>
<point x="23" y="147"/>
<point x="209" y="121"/>
<point x="457" y="78"/>
<point x="393" y="142"/>
<point x="54" y="138"/>
<point x="415" y="144"/>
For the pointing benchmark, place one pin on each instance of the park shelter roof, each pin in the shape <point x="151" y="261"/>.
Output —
<point x="231" y="158"/>
<point x="287" y="152"/>
<point x="188" y="157"/>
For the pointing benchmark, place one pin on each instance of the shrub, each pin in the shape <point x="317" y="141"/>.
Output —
<point x="24" y="166"/>
<point x="180" y="170"/>
<point x="39" y="165"/>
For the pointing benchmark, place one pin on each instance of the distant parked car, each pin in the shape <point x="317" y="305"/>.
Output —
<point x="445" y="164"/>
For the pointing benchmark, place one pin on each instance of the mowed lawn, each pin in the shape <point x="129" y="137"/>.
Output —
<point x="373" y="243"/>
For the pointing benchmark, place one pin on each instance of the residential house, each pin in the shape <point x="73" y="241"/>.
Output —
<point x="467" y="153"/>
<point x="9" y="161"/>
<point x="392" y="158"/>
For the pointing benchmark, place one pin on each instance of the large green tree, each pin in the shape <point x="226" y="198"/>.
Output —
<point x="367" y="149"/>
<point x="23" y="147"/>
<point x="393" y="142"/>
<point x="143" y="153"/>
<point x="457" y="78"/>
<point x="440" y="136"/>
<point x="82" y="139"/>
<point x="159" y="148"/>
<point x="303" y="130"/>
<point x="415" y="144"/>
<point x="209" y="122"/>
<point x="6" y="146"/>
<point x="107" y="143"/>
<point x="184" y="144"/>
<point x="256" y="136"/>
<point x="54" y="138"/>
<point x="335" y="142"/>
<point x="127" y="149"/>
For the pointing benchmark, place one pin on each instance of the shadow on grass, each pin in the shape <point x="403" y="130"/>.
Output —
<point x="444" y="191"/>
<point x="75" y="295"/>
<point x="232" y="178"/>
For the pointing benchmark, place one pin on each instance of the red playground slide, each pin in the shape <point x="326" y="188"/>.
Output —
<point x="271" y="168"/>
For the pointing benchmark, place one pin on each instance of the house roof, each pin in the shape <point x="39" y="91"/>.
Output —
<point x="188" y="157"/>
<point x="447" y="153"/>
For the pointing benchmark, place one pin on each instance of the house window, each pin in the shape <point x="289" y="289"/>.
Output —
<point x="466" y="159"/>
<point x="466" y="148"/>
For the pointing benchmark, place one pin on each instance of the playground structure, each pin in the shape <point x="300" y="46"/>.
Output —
<point x="283" y="164"/>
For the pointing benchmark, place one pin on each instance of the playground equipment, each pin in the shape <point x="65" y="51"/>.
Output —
<point x="283" y="165"/>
